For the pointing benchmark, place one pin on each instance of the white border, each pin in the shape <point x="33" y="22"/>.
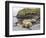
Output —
<point x="11" y="32"/>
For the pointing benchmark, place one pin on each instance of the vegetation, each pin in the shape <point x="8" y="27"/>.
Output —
<point x="28" y="11"/>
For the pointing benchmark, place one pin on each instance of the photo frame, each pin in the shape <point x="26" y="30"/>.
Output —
<point x="31" y="14"/>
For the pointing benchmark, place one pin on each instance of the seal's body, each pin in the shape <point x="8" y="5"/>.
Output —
<point x="27" y="23"/>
